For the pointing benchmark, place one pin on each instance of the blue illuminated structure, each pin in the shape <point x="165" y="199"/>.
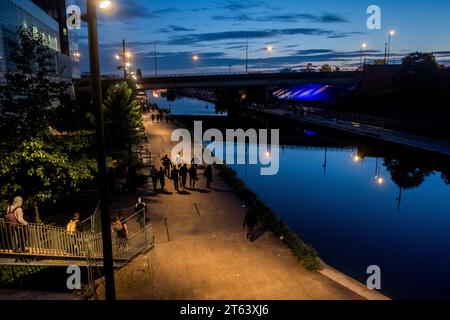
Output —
<point x="312" y="92"/>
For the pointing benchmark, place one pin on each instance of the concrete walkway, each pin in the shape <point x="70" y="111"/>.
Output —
<point x="201" y="251"/>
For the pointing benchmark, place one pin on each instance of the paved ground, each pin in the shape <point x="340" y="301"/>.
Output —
<point x="201" y="251"/>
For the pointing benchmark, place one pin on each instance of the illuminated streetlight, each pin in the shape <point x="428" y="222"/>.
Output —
<point x="388" y="46"/>
<point x="195" y="57"/>
<point x="268" y="154"/>
<point x="117" y="57"/>
<point x="269" y="51"/>
<point x="356" y="158"/>
<point x="363" y="46"/>
<point x="105" y="4"/>
<point x="379" y="180"/>
<point x="96" y="86"/>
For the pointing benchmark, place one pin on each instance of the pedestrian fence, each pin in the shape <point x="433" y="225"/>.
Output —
<point x="45" y="242"/>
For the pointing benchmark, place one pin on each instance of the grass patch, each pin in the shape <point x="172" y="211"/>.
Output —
<point x="305" y="253"/>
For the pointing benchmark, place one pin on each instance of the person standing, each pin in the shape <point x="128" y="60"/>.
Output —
<point x="154" y="177"/>
<point x="162" y="178"/>
<point x="183" y="174"/>
<point x="121" y="228"/>
<point x="192" y="176"/>
<point x="140" y="208"/>
<point x="14" y="217"/>
<point x="167" y="164"/>
<point x="153" y="118"/>
<point x="175" y="177"/>
<point x="209" y="176"/>
<point x="72" y="228"/>
<point x="250" y="222"/>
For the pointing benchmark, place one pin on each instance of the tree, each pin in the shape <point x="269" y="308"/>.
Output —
<point x="325" y="68"/>
<point x="29" y="97"/>
<point x="418" y="74"/>
<point x="123" y="121"/>
<point x="37" y="161"/>
<point x="309" y="67"/>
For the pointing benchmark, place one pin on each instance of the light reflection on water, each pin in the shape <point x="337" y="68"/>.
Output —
<point x="187" y="106"/>
<point x="359" y="211"/>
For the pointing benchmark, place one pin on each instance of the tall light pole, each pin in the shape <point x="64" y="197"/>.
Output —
<point x="91" y="18"/>
<point x="125" y="56"/>
<point x="246" y="55"/>
<point x="156" y="63"/>
<point x="363" y="46"/>
<point x="390" y="35"/>
<point x="269" y="51"/>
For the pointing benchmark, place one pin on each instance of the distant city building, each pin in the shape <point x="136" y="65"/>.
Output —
<point x="17" y="13"/>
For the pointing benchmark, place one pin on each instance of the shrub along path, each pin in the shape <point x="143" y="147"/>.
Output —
<point x="201" y="251"/>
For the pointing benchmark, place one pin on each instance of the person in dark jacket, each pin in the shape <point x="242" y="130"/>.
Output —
<point x="183" y="174"/>
<point x="162" y="178"/>
<point x="250" y="222"/>
<point x="192" y="176"/>
<point x="154" y="177"/>
<point x="175" y="177"/>
<point x="209" y="176"/>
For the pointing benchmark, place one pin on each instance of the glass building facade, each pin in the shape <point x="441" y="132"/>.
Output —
<point x="16" y="13"/>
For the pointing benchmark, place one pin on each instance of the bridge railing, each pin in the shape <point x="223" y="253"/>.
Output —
<point x="43" y="241"/>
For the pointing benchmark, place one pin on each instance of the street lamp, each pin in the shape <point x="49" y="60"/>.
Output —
<point x="94" y="59"/>
<point x="195" y="57"/>
<point x="269" y="51"/>
<point x="388" y="45"/>
<point x="125" y="56"/>
<point x="363" y="46"/>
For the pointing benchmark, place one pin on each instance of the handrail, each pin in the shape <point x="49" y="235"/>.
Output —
<point x="44" y="241"/>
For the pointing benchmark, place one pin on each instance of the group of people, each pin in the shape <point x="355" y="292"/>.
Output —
<point x="178" y="173"/>
<point x="159" y="117"/>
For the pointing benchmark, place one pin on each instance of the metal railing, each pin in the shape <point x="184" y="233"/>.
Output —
<point x="49" y="242"/>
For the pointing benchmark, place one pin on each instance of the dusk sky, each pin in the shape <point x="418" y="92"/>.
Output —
<point x="299" y="32"/>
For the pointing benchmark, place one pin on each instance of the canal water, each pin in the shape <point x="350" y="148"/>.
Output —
<point x="186" y="106"/>
<point x="361" y="203"/>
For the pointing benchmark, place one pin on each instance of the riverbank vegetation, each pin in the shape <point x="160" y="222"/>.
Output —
<point x="270" y="220"/>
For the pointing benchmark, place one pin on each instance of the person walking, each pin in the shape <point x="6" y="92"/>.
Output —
<point x="154" y="177"/>
<point x="183" y="173"/>
<point x="72" y="228"/>
<point x="192" y="176"/>
<point x="121" y="228"/>
<point x="250" y="222"/>
<point x="14" y="217"/>
<point x="140" y="208"/>
<point x="162" y="178"/>
<point x="209" y="176"/>
<point x="167" y="164"/>
<point x="153" y="118"/>
<point x="175" y="178"/>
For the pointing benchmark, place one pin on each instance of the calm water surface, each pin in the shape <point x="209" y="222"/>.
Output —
<point x="360" y="208"/>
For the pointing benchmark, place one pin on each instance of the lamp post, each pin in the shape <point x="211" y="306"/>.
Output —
<point x="125" y="57"/>
<point x="91" y="18"/>
<point x="269" y="51"/>
<point x="363" y="46"/>
<point x="390" y="35"/>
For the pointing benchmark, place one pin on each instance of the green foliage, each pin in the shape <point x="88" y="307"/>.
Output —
<point x="29" y="96"/>
<point x="306" y="254"/>
<point x="123" y="122"/>
<point x="40" y="168"/>
<point x="42" y="155"/>
<point x="10" y="274"/>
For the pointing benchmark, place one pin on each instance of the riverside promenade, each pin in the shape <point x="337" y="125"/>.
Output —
<point x="410" y="140"/>
<point x="201" y="252"/>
